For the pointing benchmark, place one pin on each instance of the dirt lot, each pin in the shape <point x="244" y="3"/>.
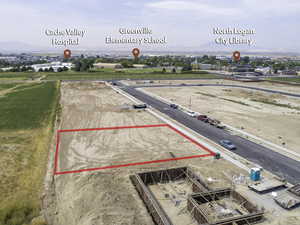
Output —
<point x="273" y="117"/>
<point x="267" y="85"/>
<point x="112" y="147"/>
<point x="107" y="196"/>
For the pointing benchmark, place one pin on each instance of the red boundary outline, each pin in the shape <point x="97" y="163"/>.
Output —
<point x="210" y="153"/>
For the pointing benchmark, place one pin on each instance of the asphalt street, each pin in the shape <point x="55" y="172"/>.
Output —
<point x="270" y="160"/>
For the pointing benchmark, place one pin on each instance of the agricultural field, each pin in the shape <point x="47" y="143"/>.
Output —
<point x="102" y="74"/>
<point x="6" y="86"/>
<point x="27" y="115"/>
<point x="122" y="74"/>
<point x="16" y="76"/>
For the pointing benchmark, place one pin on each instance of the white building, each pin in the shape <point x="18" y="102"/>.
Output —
<point x="140" y="66"/>
<point x="54" y="65"/>
<point x="204" y="66"/>
<point x="8" y="58"/>
<point x="263" y="70"/>
<point x="108" y="65"/>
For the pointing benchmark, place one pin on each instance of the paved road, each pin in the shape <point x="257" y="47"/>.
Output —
<point x="276" y="163"/>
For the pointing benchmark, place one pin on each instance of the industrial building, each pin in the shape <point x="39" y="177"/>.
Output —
<point x="54" y="65"/>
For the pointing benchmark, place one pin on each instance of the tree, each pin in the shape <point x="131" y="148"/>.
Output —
<point x="205" y="57"/>
<point x="164" y="70"/>
<point x="127" y="64"/>
<point x="279" y="66"/>
<point x="173" y="70"/>
<point x="187" y="68"/>
<point x="245" y="60"/>
<point x="77" y="66"/>
<point x="59" y="69"/>
<point x="51" y="69"/>
<point x="84" y="65"/>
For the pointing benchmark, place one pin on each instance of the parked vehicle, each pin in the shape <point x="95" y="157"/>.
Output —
<point x="203" y="118"/>
<point x="174" y="106"/>
<point x="139" y="106"/>
<point x="220" y="126"/>
<point x="192" y="114"/>
<point x="227" y="144"/>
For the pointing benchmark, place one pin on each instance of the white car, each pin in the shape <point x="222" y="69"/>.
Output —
<point x="192" y="114"/>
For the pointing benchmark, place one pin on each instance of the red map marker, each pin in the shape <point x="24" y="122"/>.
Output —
<point x="136" y="52"/>
<point x="67" y="53"/>
<point x="236" y="56"/>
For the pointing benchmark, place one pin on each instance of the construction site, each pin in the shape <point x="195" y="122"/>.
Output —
<point x="251" y="111"/>
<point x="178" y="196"/>
<point x="115" y="161"/>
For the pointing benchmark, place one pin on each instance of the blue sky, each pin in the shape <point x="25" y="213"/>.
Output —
<point x="185" y="23"/>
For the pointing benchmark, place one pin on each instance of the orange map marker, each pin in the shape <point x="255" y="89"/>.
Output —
<point x="136" y="52"/>
<point x="67" y="53"/>
<point x="236" y="56"/>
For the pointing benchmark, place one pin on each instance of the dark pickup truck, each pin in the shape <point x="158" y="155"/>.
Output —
<point x="139" y="106"/>
<point x="174" y="106"/>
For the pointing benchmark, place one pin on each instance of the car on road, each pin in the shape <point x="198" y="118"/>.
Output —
<point x="174" y="106"/>
<point x="139" y="106"/>
<point x="227" y="144"/>
<point x="192" y="114"/>
<point x="203" y="118"/>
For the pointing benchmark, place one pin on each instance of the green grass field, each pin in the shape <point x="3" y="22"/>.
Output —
<point x="6" y="86"/>
<point x="123" y="75"/>
<point x="27" y="115"/>
<point x="26" y="108"/>
<point x="16" y="74"/>
<point x="107" y="74"/>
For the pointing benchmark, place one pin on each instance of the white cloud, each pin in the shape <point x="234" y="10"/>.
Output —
<point x="199" y="7"/>
<point x="272" y="6"/>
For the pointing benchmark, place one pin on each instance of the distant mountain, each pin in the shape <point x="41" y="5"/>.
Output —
<point x="205" y="48"/>
<point x="18" y="47"/>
